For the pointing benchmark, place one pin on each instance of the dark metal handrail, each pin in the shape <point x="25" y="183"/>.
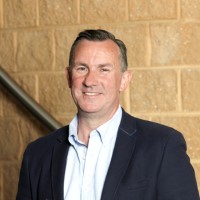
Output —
<point x="27" y="101"/>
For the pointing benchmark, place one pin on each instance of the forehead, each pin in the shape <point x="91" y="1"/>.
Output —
<point x="97" y="47"/>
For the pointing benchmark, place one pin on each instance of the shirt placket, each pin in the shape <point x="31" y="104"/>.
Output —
<point x="93" y="150"/>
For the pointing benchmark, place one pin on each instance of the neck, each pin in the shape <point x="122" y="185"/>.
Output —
<point x="90" y="121"/>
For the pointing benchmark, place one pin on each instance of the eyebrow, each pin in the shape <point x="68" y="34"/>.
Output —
<point x="105" y="65"/>
<point x="98" y="65"/>
<point x="80" y="63"/>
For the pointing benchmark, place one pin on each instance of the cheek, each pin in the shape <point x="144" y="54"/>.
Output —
<point x="76" y="82"/>
<point x="76" y="86"/>
<point x="113" y="84"/>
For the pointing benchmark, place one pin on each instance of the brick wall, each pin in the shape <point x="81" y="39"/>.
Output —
<point x="163" y="41"/>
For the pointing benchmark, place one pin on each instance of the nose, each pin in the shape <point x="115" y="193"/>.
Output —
<point x="90" y="79"/>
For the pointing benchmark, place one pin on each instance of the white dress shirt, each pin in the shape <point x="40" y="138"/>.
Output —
<point x="87" y="166"/>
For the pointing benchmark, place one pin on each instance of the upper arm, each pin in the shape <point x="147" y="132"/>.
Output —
<point x="24" y="189"/>
<point x="176" y="177"/>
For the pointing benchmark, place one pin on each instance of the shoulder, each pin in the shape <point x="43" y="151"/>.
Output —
<point x="149" y="130"/>
<point x="155" y="139"/>
<point x="47" y="142"/>
<point x="160" y="134"/>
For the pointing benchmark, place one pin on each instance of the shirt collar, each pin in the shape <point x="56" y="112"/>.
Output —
<point x="73" y="130"/>
<point x="106" y="131"/>
<point x="109" y="129"/>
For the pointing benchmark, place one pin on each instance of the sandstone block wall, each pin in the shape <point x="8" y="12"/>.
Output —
<point x="163" y="41"/>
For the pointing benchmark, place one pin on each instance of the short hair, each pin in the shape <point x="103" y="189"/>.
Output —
<point x="100" y="35"/>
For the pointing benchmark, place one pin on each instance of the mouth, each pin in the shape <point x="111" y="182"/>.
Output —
<point x="91" y="93"/>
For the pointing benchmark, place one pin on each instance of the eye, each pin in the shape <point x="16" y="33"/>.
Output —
<point x="81" y="69"/>
<point x="105" y="69"/>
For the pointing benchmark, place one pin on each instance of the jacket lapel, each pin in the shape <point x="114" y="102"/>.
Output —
<point x="58" y="165"/>
<point x="122" y="154"/>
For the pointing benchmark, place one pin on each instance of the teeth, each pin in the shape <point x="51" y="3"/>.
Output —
<point x="90" y="94"/>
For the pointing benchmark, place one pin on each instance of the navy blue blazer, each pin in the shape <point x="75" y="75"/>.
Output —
<point x="149" y="162"/>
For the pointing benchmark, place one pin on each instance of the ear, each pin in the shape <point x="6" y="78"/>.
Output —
<point x="126" y="78"/>
<point x="68" y="76"/>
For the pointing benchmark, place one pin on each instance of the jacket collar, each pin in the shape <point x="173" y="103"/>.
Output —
<point x="59" y="158"/>
<point x="123" y="151"/>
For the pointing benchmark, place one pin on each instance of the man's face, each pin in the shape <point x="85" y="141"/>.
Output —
<point x="96" y="79"/>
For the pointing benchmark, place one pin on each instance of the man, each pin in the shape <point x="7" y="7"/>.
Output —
<point x="105" y="153"/>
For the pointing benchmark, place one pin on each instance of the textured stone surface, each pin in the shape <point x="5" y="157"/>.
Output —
<point x="1" y="182"/>
<point x="11" y="107"/>
<point x="136" y="39"/>
<point x="1" y="23"/>
<point x="54" y="94"/>
<point x="154" y="9"/>
<point x="153" y="91"/>
<point x="190" y="43"/>
<point x="66" y="119"/>
<point x="190" y="9"/>
<point x="58" y="12"/>
<point x="30" y="129"/>
<point x="189" y="127"/>
<point x="63" y="41"/>
<point x="62" y="38"/>
<point x="10" y="177"/>
<point x="190" y="82"/>
<point x="124" y="100"/>
<point x="19" y="13"/>
<point x="102" y="11"/>
<point x="166" y="44"/>
<point x="1" y="101"/>
<point x="34" y="50"/>
<point x="175" y="43"/>
<point x="28" y="83"/>
<point x="10" y="137"/>
<point x="7" y="51"/>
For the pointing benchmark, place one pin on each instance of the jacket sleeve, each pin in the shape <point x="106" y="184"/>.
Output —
<point x="24" y="189"/>
<point x="176" y="178"/>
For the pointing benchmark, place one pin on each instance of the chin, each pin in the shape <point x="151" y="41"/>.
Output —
<point x="90" y="109"/>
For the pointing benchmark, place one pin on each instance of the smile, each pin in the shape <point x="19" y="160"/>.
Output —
<point x="91" y="93"/>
